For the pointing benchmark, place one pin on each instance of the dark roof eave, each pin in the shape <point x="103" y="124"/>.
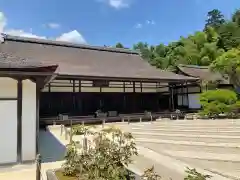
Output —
<point x="67" y="76"/>
<point x="67" y="44"/>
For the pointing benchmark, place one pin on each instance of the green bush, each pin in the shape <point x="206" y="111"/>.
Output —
<point x="220" y="101"/>
<point x="192" y="174"/>
<point x="103" y="158"/>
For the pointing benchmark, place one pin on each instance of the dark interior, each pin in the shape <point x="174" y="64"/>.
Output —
<point x="86" y="103"/>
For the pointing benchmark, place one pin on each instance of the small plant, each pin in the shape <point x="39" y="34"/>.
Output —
<point x="150" y="174"/>
<point x="105" y="159"/>
<point x="192" y="174"/>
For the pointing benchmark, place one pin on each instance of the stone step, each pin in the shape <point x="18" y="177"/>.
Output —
<point x="164" y="141"/>
<point x="187" y="131"/>
<point x="189" y="137"/>
<point x="183" y="126"/>
<point x="191" y="147"/>
<point x="204" y="155"/>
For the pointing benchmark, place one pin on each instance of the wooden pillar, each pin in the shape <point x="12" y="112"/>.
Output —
<point x="80" y="86"/>
<point x="19" y="120"/>
<point x="187" y="95"/>
<point x="124" y="97"/>
<point x="182" y="93"/>
<point x="141" y="86"/>
<point x="38" y="91"/>
<point x="134" y="97"/>
<point x="49" y="87"/>
<point x="172" y="97"/>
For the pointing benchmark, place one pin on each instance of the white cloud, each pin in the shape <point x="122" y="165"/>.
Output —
<point x="151" y="22"/>
<point x="19" y="32"/>
<point x="72" y="36"/>
<point x="3" y="22"/>
<point x="138" y="26"/>
<point x="53" y="25"/>
<point x="117" y="4"/>
<point x="15" y="32"/>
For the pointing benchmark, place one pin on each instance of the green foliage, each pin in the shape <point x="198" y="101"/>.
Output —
<point x="214" y="19"/>
<point x="119" y="45"/>
<point x="192" y="174"/>
<point x="229" y="34"/>
<point x="236" y="108"/>
<point x="229" y="63"/>
<point x="150" y="174"/>
<point x="201" y="48"/>
<point x="215" y="102"/>
<point x="236" y="17"/>
<point x="105" y="159"/>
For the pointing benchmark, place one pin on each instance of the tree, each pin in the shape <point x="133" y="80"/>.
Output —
<point x="229" y="64"/>
<point x="229" y="34"/>
<point x="236" y="17"/>
<point x="119" y="45"/>
<point x="109" y="152"/>
<point x="215" y="19"/>
<point x="144" y="49"/>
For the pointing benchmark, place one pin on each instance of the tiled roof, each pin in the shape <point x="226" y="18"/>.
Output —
<point x="201" y="72"/>
<point x="86" y="61"/>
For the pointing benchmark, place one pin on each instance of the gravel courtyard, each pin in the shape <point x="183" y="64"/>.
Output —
<point x="213" y="146"/>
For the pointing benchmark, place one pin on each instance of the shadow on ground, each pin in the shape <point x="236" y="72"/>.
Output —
<point x="50" y="148"/>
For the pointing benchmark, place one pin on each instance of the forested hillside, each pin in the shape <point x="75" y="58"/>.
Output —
<point x="200" y="48"/>
<point x="216" y="45"/>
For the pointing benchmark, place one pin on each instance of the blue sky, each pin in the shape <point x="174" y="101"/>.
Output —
<point x="106" y="22"/>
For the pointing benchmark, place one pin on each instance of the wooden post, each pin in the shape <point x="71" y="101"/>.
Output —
<point x="82" y="123"/>
<point x="38" y="167"/>
<point x="85" y="144"/>
<point x="71" y="131"/>
<point x="61" y="129"/>
<point x="140" y="119"/>
<point x="128" y="120"/>
<point x="103" y="123"/>
<point x="66" y="132"/>
<point x="122" y="119"/>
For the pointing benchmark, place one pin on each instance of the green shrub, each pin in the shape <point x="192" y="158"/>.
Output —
<point x="150" y="174"/>
<point x="103" y="159"/>
<point x="192" y="174"/>
<point x="215" y="102"/>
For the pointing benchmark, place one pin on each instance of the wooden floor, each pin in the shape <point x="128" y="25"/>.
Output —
<point x="137" y="117"/>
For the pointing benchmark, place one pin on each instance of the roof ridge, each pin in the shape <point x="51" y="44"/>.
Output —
<point x="193" y="66"/>
<point x="67" y="44"/>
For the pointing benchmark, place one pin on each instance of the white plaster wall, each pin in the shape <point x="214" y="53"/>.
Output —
<point x="8" y="88"/>
<point x="194" y="102"/>
<point x="8" y="121"/>
<point x="28" y="121"/>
